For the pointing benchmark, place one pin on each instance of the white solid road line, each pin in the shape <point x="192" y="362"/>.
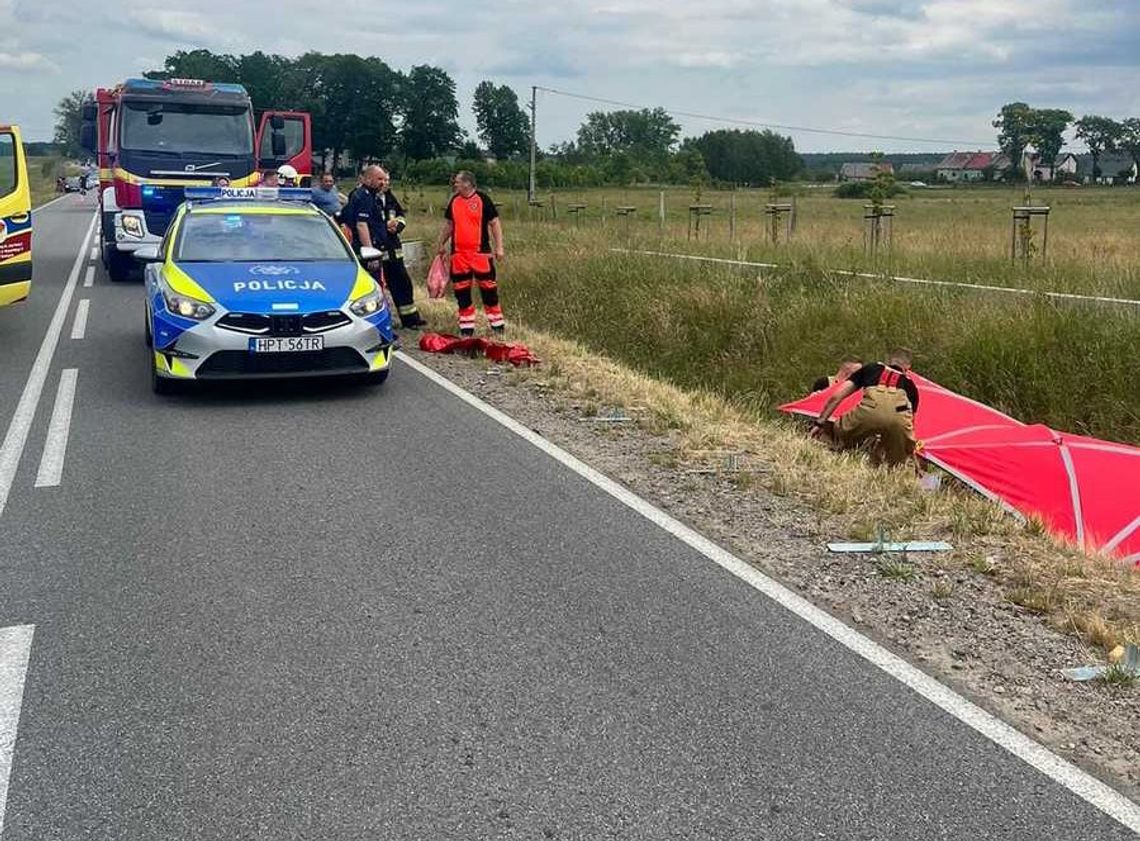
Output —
<point x="17" y="436"/>
<point x="79" y="326"/>
<point x="89" y="278"/>
<point x="59" y="429"/>
<point x="15" y="646"/>
<point x="1084" y="785"/>
<point x="46" y="205"/>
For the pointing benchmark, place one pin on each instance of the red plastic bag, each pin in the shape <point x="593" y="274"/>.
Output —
<point x="437" y="278"/>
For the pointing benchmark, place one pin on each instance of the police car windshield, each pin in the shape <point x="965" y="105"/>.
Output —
<point x="237" y="236"/>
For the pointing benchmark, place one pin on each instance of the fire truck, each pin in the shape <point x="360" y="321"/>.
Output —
<point x="153" y="138"/>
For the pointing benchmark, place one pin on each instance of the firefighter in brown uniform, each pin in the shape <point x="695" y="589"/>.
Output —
<point x="885" y="415"/>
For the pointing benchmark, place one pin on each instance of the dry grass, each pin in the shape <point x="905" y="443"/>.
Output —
<point x="1094" y="598"/>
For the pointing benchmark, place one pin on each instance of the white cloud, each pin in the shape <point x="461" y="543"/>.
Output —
<point x="27" y="62"/>
<point x="923" y="68"/>
<point x="176" y="24"/>
<point x="710" y="58"/>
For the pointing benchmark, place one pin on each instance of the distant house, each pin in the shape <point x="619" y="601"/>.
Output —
<point x="1065" y="165"/>
<point x="863" y="171"/>
<point x="1038" y="170"/>
<point x="1114" y="169"/>
<point x="971" y="166"/>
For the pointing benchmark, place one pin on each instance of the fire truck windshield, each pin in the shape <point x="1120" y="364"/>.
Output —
<point x="186" y="129"/>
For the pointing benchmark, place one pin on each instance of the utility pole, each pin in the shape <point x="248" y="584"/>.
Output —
<point x="530" y="193"/>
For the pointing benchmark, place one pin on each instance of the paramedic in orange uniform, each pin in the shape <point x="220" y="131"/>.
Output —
<point x="885" y="415"/>
<point x="472" y="225"/>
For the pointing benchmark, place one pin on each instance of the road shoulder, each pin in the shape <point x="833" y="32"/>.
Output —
<point x="954" y="624"/>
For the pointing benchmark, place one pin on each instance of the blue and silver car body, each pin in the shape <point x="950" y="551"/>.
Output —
<point x="219" y="305"/>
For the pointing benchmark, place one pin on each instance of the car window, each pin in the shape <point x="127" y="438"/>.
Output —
<point x="8" y="179"/>
<point x="259" y="237"/>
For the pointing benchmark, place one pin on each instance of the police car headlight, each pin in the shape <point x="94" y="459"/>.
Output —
<point x="369" y="304"/>
<point x="184" y="305"/>
<point x="132" y="225"/>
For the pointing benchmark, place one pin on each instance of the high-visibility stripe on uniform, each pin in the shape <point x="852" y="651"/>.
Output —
<point x="889" y="378"/>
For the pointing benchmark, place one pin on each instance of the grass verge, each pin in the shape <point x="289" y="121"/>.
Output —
<point x="1093" y="598"/>
<point x="758" y="340"/>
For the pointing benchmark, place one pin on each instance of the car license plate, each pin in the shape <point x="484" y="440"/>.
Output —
<point x="286" y="344"/>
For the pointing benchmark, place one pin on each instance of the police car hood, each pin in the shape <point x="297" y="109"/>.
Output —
<point x="276" y="287"/>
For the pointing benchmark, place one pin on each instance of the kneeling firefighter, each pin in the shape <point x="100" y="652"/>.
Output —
<point x="885" y="415"/>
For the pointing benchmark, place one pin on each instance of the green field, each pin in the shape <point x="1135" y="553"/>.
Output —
<point x="42" y="173"/>
<point x="759" y="337"/>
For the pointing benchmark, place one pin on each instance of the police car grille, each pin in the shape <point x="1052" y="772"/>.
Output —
<point x="244" y="322"/>
<point x="236" y="363"/>
<point x="318" y="322"/>
<point x="285" y="325"/>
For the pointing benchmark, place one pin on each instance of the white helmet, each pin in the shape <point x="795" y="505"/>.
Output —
<point x="287" y="171"/>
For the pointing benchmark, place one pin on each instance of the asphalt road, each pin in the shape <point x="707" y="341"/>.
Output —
<point x="329" y="612"/>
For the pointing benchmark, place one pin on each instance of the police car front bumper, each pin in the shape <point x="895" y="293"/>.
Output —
<point x="215" y="351"/>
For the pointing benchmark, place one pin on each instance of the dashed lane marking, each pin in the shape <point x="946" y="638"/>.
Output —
<point x="15" y="647"/>
<point x="59" y="430"/>
<point x="16" y="438"/>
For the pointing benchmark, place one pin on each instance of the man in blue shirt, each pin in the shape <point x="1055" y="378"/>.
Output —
<point x="327" y="197"/>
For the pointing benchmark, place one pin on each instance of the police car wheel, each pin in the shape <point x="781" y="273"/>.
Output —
<point x="119" y="265"/>
<point x="376" y="377"/>
<point x="161" y="385"/>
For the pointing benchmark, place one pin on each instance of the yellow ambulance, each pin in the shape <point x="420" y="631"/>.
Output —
<point x="15" y="219"/>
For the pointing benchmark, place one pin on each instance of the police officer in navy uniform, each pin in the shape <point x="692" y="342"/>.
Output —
<point x="376" y="219"/>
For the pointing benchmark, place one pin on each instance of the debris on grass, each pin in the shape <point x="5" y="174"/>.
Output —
<point x="1125" y="673"/>
<point x="908" y="546"/>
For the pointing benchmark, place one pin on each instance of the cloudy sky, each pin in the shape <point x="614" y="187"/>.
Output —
<point x="937" y="69"/>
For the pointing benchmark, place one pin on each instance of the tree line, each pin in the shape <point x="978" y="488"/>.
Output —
<point x="1020" y="126"/>
<point x="364" y="110"/>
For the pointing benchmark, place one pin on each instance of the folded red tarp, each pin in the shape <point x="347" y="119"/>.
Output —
<point x="1086" y="491"/>
<point x="515" y="354"/>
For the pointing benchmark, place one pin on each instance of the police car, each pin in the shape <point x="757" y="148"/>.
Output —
<point x="256" y="282"/>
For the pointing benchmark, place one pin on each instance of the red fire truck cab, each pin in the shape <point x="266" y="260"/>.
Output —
<point x="154" y="138"/>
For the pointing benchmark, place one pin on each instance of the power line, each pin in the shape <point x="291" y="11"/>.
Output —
<point x="781" y="127"/>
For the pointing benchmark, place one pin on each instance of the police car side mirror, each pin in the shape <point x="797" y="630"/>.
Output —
<point x="369" y="254"/>
<point x="148" y="254"/>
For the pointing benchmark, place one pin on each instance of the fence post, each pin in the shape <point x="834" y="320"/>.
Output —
<point x="732" y="218"/>
<point x="661" y="212"/>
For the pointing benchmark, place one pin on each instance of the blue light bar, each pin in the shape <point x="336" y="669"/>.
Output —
<point x="248" y="194"/>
